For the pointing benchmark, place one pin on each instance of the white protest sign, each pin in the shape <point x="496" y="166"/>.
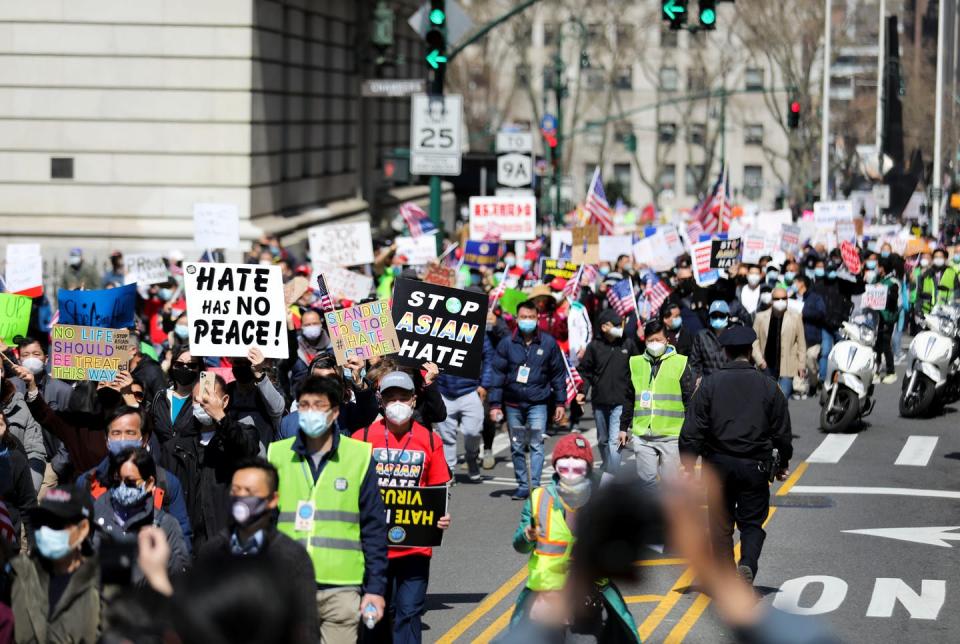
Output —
<point x="347" y="244"/>
<point x="512" y="217"/>
<point x="653" y="252"/>
<point x="558" y="237"/>
<point x="146" y="269"/>
<point x="754" y="247"/>
<point x="847" y="231"/>
<point x="672" y="238"/>
<point x="700" y="259"/>
<point x="826" y="214"/>
<point x="613" y="246"/>
<point x="874" y="297"/>
<point x="790" y="238"/>
<point x="24" y="273"/>
<point x="234" y="307"/>
<point x="418" y="250"/>
<point x="770" y="221"/>
<point x="344" y="284"/>
<point x="216" y="225"/>
<point x="19" y="251"/>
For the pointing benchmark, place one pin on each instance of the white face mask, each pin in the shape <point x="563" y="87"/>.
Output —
<point x="398" y="412"/>
<point x="201" y="415"/>
<point x="766" y="297"/>
<point x="615" y="332"/>
<point x="656" y="349"/>
<point x="780" y="305"/>
<point x="753" y="279"/>
<point x="33" y="365"/>
<point x="311" y="332"/>
<point x="74" y="260"/>
<point x="924" y="262"/>
<point x="939" y="261"/>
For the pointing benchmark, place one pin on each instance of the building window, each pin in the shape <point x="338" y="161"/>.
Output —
<point x="594" y="132"/>
<point x="753" y="134"/>
<point x="669" y="79"/>
<point x="621" y="174"/>
<point x="595" y="79"/>
<point x="668" y="177"/>
<point x="667" y="132"/>
<point x="549" y="34"/>
<point x="595" y="33"/>
<point x="523" y="73"/>
<point x="668" y="38"/>
<point x="693" y="177"/>
<point x="624" y="35"/>
<point x="752" y="181"/>
<point x="624" y="78"/>
<point x="696" y="80"/>
<point x="61" y="167"/>
<point x="753" y="78"/>
<point x="697" y="134"/>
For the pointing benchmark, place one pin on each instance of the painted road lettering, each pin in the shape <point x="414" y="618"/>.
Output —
<point x="887" y="592"/>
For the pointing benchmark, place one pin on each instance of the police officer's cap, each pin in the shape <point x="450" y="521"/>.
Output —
<point x="738" y="336"/>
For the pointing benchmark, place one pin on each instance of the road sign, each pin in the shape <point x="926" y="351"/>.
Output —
<point x="881" y="194"/>
<point x="548" y="124"/>
<point x="514" y="170"/>
<point x="393" y="87"/>
<point x="514" y="142"/>
<point x="458" y="22"/>
<point x="435" y="134"/>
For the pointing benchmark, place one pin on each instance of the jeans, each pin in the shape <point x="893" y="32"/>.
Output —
<point x="407" y="579"/>
<point x="465" y="413"/>
<point x="785" y="384"/>
<point x="526" y="427"/>
<point x="826" y="345"/>
<point x="655" y="455"/>
<point x="608" y="430"/>
<point x="746" y="501"/>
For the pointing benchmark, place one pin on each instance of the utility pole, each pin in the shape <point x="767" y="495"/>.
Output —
<point x="881" y="74"/>
<point x="938" y="128"/>
<point x="825" y="106"/>
<point x="559" y="88"/>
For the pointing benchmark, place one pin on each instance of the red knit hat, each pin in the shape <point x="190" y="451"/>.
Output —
<point x="573" y="446"/>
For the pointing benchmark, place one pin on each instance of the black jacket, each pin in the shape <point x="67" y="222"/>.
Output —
<point x="163" y="428"/>
<point x="149" y="372"/>
<point x="290" y="561"/>
<point x="738" y="411"/>
<point x="706" y="355"/>
<point x="605" y="368"/>
<point x="16" y="486"/>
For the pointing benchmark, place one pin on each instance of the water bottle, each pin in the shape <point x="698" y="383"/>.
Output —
<point x="370" y="616"/>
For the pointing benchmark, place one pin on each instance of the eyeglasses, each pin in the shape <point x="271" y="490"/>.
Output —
<point x="718" y="316"/>
<point x="138" y="395"/>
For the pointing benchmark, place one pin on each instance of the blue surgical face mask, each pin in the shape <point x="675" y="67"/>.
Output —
<point x="719" y="323"/>
<point x="165" y="294"/>
<point x="819" y="272"/>
<point x="53" y="544"/>
<point x="871" y="264"/>
<point x="884" y="254"/>
<point x="526" y="264"/>
<point x="676" y="323"/>
<point x="348" y="373"/>
<point x="314" y="423"/>
<point x="129" y="497"/>
<point x="117" y="446"/>
<point x="527" y="326"/>
<point x="604" y="270"/>
<point x="789" y="276"/>
<point x="181" y="331"/>
<point x="832" y="275"/>
<point x="509" y="261"/>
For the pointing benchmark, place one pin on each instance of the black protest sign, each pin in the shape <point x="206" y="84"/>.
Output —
<point x="412" y="515"/>
<point x="724" y="253"/>
<point x="563" y="268"/>
<point x="440" y="324"/>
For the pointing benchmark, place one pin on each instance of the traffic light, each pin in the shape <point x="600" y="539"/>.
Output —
<point x="382" y="26"/>
<point x="708" y="14"/>
<point x="674" y="12"/>
<point x="436" y="37"/>
<point x="793" y="115"/>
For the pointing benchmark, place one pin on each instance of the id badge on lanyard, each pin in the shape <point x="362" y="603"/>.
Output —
<point x="523" y="374"/>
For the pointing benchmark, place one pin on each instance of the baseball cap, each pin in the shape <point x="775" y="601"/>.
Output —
<point x="719" y="306"/>
<point x="65" y="505"/>
<point x="76" y="252"/>
<point x="397" y="379"/>
<point x="609" y="315"/>
<point x="738" y="336"/>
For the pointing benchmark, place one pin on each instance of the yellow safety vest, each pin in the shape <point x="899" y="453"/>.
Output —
<point x="658" y="405"/>
<point x="333" y="539"/>
<point x="547" y="568"/>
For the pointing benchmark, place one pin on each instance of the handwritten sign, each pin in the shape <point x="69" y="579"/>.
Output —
<point x="24" y="274"/>
<point x="216" y="225"/>
<point x="512" y="217"/>
<point x="874" y="297"/>
<point x="418" y="250"/>
<point x="412" y="515"/>
<point x="14" y="316"/>
<point x="440" y="275"/>
<point x="88" y="353"/>
<point x="233" y="307"/>
<point x="363" y="330"/>
<point x="111" y="308"/>
<point x="724" y="253"/>
<point x="146" y="269"/>
<point x="344" y="284"/>
<point x="346" y="244"/>
<point x="585" y="246"/>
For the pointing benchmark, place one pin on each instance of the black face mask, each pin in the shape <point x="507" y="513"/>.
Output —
<point x="247" y="510"/>
<point x="685" y="287"/>
<point x="243" y="373"/>
<point x="182" y="374"/>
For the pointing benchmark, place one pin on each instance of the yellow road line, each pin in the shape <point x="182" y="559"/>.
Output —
<point x="489" y="602"/>
<point x="792" y="480"/>
<point x="665" y="606"/>
<point x="662" y="562"/>
<point x="641" y="599"/>
<point x="494" y="629"/>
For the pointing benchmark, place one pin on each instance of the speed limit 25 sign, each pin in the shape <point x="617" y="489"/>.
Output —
<point x="435" y="126"/>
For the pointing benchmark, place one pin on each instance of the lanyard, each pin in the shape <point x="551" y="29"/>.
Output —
<point x="403" y="448"/>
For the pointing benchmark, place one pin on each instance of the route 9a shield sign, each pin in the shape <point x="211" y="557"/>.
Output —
<point x="435" y="141"/>
<point x="514" y="170"/>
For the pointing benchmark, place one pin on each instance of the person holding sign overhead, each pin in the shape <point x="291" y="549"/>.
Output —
<point x="407" y="455"/>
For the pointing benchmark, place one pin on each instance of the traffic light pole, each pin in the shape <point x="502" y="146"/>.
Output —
<point x="558" y="88"/>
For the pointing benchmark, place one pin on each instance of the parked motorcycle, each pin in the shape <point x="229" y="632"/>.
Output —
<point x="933" y="364"/>
<point x="847" y="392"/>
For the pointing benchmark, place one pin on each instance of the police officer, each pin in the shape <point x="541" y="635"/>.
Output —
<point x="737" y="418"/>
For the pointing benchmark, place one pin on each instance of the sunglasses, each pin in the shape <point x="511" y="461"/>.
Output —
<point x="138" y="395"/>
<point x="718" y="316"/>
<point x="572" y="470"/>
<point x="779" y="299"/>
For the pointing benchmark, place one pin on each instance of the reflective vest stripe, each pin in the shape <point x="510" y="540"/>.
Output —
<point x="658" y="412"/>
<point x="333" y="544"/>
<point x="668" y="397"/>
<point x="658" y="408"/>
<point x="324" y="515"/>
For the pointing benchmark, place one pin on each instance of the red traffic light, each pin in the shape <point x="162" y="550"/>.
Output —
<point x="795" y="107"/>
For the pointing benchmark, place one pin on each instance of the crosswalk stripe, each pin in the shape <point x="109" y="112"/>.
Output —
<point x="917" y="451"/>
<point x="832" y="449"/>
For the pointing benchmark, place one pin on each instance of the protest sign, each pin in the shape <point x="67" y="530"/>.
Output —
<point x="613" y="246"/>
<point x="754" y="246"/>
<point x="342" y="244"/>
<point x="480" y="254"/>
<point x="847" y="231"/>
<point x="510" y="299"/>
<point x="14" y="316"/>
<point x="672" y="238"/>
<point x="826" y="214"/>
<point x="513" y="217"/>
<point x="789" y="238"/>
<point x="418" y="250"/>
<point x="216" y="225"/>
<point x="111" y="308"/>
<point x="16" y="252"/>
<point x="440" y="275"/>
<point x="362" y="330"/>
<point x="441" y="325"/>
<point x="88" y="353"/>
<point x="146" y="269"/>
<point x="557" y="268"/>
<point x="874" y="297"/>
<point x="771" y="221"/>
<point x="700" y="255"/>
<point x="558" y="240"/>
<point x="585" y="244"/>
<point x="653" y="252"/>
<point x="412" y="512"/>
<point x="344" y="284"/>
<point x="851" y="257"/>
<point x="724" y="253"/>
<point x="233" y="307"/>
<point x="24" y="274"/>
<point x="294" y="289"/>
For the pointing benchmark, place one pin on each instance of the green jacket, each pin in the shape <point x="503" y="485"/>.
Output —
<point x="75" y="618"/>
<point x="611" y="596"/>
<point x="942" y="291"/>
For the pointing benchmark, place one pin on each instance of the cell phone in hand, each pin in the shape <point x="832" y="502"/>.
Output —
<point x="207" y="381"/>
<point x="117" y="558"/>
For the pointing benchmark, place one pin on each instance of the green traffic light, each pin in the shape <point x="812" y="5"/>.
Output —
<point x="708" y="16"/>
<point x="437" y="16"/>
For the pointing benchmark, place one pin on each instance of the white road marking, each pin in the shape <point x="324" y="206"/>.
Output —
<point x="832" y="449"/>
<point x="889" y="590"/>
<point x="917" y="451"/>
<point x="890" y="491"/>
<point x="933" y="535"/>
<point x="832" y="593"/>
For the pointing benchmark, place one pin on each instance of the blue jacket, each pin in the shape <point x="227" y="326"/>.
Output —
<point x="814" y="317"/>
<point x="546" y="381"/>
<point x="452" y="387"/>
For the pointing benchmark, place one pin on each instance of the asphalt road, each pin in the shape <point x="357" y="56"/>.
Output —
<point x="879" y="587"/>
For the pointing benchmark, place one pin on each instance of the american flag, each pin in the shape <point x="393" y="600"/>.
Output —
<point x="326" y="302"/>
<point x="655" y="291"/>
<point x="694" y="231"/>
<point x="571" y="289"/>
<point x="596" y="204"/>
<point x="497" y="291"/>
<point x="416" y="219"/>
<point x="715" y="210"/>
<point x="620" y="296"/>
<point x="574" y="381"/>
<point x="591" y="273"/>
